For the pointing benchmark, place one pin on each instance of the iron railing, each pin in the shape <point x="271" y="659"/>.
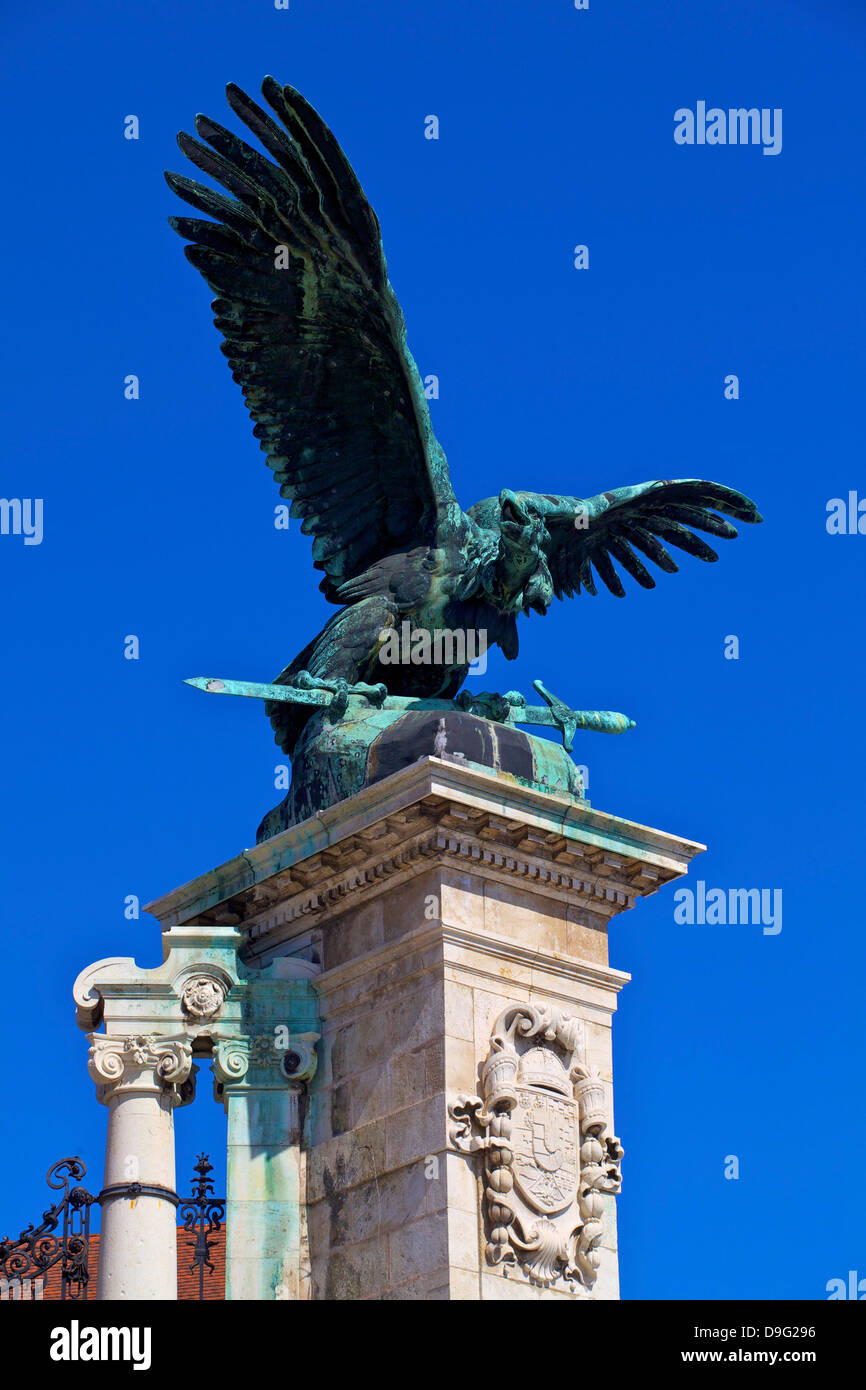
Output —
<point x="39" y="1247"/>
<point x="64" y="1235"/>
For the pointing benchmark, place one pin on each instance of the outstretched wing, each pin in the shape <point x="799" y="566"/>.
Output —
<point x="586" y="536"/>
<point x="313" y="332"/>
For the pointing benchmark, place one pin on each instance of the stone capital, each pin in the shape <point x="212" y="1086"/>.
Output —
<point x="141" y="1064"/>
<point x="263" y="1062"/>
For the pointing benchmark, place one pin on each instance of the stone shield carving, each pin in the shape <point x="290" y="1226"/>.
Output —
<point x="540" y="1125"/>
<point x="546" y="1160"/>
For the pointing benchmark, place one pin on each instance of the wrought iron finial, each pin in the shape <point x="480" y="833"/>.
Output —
<point x="202" y="1215"/>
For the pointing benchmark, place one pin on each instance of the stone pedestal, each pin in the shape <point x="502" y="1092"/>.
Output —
<point x="458" y="1136"/>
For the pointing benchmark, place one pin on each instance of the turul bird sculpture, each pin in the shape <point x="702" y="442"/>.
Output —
<point x="316" y="340"/>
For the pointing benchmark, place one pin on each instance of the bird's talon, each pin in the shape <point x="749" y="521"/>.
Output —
<point x="340" y="702"/>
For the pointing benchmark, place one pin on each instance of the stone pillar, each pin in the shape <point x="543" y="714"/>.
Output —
<point x="258" y="1025"/>
<point x="464" y="1018"/>
<point x="260" y="1085"/>
<point x="459" y="1135"/>
<point x="141" y="1079"/>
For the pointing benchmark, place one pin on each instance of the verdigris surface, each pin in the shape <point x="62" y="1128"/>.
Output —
<point x="316" y="340"/>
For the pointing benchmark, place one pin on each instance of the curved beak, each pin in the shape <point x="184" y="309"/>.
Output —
<point x="512" y="509"/>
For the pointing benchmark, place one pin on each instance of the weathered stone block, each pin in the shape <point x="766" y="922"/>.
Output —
<point x="418" y="1247"/>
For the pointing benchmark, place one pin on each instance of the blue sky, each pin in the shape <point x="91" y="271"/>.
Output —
<point x="556" y="129"/>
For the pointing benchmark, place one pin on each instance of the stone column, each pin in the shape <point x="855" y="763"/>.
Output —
<point x="141" y="1080"/>
<point x="261" y="1083"/>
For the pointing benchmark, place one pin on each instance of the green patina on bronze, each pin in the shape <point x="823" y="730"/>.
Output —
<point x="510" y="708"/>
<point x="315" y="338"/>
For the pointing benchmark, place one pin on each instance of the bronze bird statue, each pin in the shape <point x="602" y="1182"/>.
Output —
<point x="316" y="340"/>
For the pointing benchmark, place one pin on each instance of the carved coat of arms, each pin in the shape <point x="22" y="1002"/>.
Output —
<point x="541" y="1125"/>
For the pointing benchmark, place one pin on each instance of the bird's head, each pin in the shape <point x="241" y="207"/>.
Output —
<point x="521" y="577"/>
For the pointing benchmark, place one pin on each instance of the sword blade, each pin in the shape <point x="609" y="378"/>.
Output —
<point x="255" y="690"/>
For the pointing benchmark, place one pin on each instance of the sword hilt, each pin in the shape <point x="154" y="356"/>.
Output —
<point x="564" y="716"/>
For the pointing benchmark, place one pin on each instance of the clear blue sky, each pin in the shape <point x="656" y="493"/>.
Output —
<point x="556" y="128"/>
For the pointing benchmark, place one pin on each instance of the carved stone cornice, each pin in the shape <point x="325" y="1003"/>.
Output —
<point x="141" y="1064"/>
<point x="433" y="810"/>
<point x="511" y="852"/>
<point x="591" y="880"/>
